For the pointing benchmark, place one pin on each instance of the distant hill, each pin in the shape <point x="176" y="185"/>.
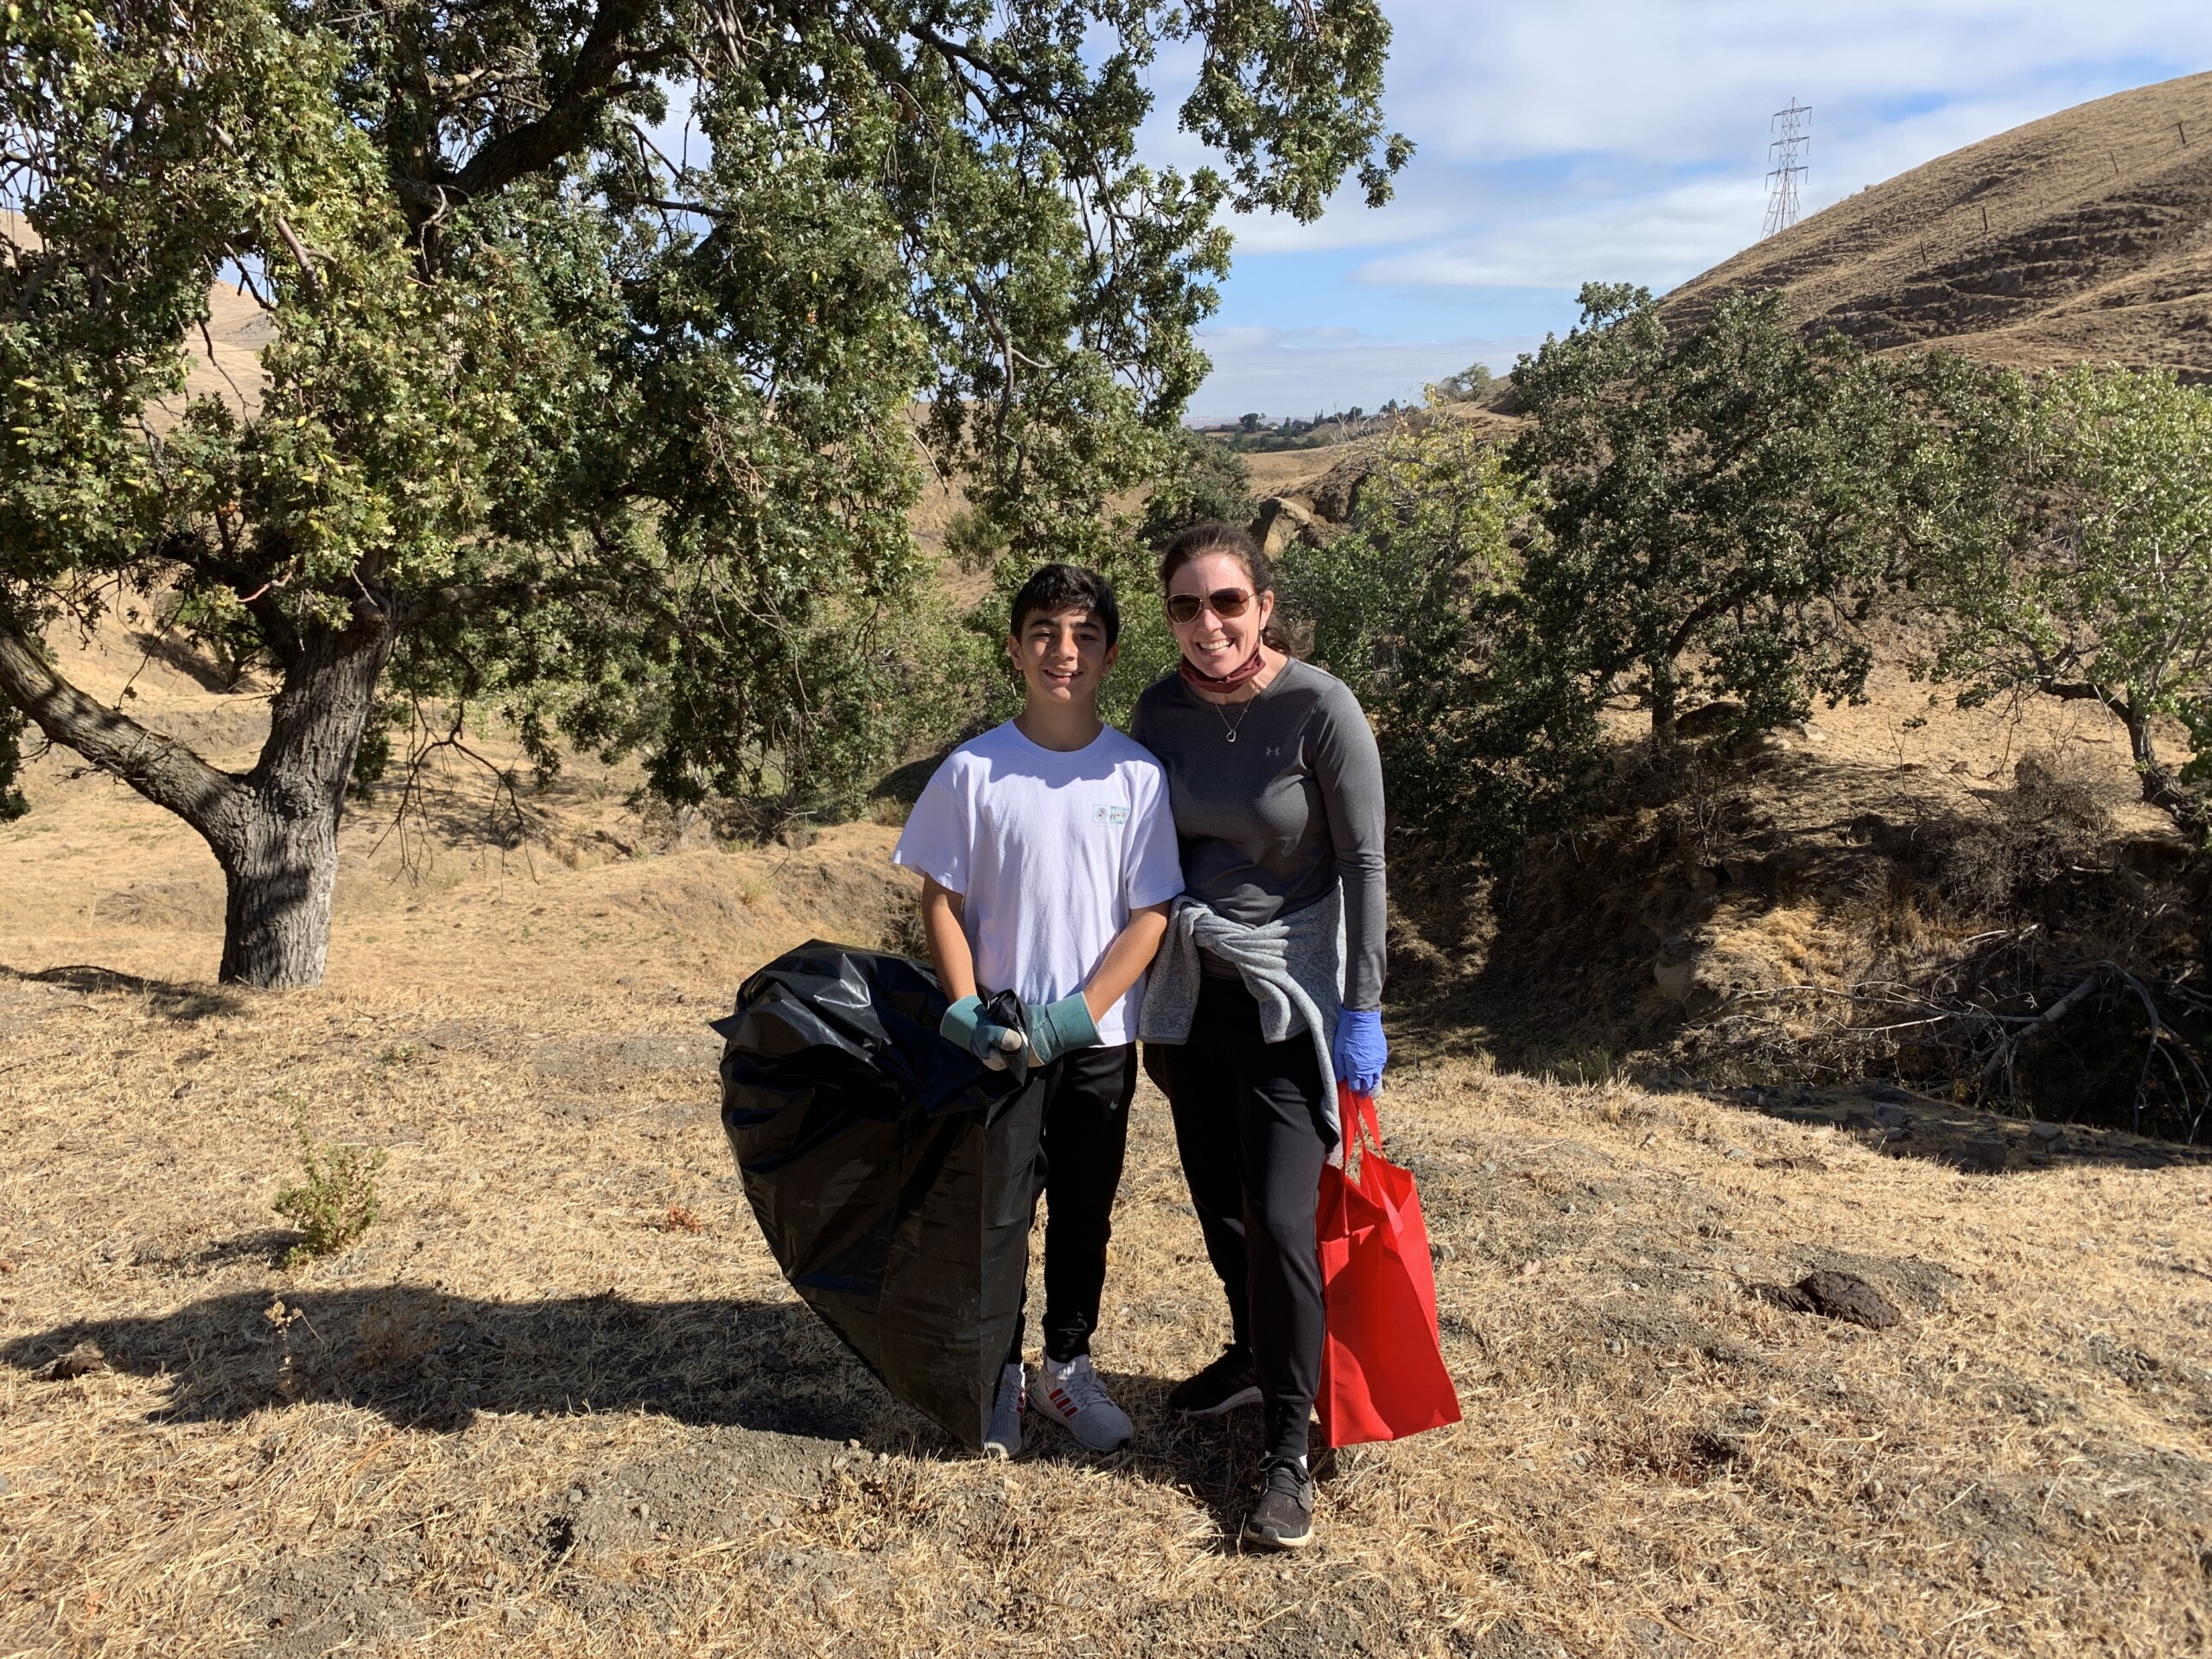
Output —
<point x="2086" y="236"/>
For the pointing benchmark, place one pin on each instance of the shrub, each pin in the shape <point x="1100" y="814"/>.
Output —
<point x="1205" y="481"/>
<point x="337" y="1201"/>
<point x="1471" y="383"/>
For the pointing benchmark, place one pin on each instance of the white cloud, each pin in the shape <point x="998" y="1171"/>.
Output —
<point x="1655" y="87"/>
<point x="1296" y="371"/>
<point x="1564" y="140"/>
<point x="1501" y="80"/>
<point x="1659" y="238"/>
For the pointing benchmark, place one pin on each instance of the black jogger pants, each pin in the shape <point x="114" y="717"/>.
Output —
<point x="1250" y="1126"/>
<point x="1086" y="1116"/>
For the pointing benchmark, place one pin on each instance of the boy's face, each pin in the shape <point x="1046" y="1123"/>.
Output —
<point x="1062" y="657"/>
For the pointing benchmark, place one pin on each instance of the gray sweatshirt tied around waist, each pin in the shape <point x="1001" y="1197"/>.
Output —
<point x="1292" y="966"/>
<point x="1271" y="823"/>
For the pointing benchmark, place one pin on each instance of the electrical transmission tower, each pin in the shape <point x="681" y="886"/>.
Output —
<point x="1793" y="129"/>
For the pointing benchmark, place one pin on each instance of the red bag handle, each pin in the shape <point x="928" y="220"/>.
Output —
<point x="1356" y="1122"/>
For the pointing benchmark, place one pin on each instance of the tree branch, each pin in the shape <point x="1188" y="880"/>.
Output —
<point x="162" y="769"/>
<point x="537" y="144"/>
<point x="2077" y="691"/>
<point x="300" y="256"/>
<point x="662" y="204"/>
<point x="2009" y="1046"/>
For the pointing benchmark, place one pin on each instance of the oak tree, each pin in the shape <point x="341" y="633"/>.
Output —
<point x="2075" y="561"/>
<point x="595" y="334"/>
<point x="1721" y="503"/>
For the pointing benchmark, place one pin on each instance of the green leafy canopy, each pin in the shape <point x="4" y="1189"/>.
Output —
<point x="1721" y="505"/>
<point x="618" y="439"/>
<point x="2075" y="557"/>
<point x="1482" y="741"/>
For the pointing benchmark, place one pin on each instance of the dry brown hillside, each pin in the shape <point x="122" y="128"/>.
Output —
<point x="2084" y="237"/>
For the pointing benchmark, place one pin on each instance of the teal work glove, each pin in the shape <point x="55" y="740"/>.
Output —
<point x="963" y="1027"/>
<point x="1059" y="1027"/>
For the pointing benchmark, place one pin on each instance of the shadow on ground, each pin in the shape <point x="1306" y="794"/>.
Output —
<point x="180" y="654"/>
<point x="425" y="1359"/>
<point x="1902" y="1123"/>
<point x="422" y="1357"/>
<point x="180" y="1001"/>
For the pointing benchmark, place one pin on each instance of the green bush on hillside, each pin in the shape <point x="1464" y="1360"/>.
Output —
<point x="2073" y="557"/>
<point x="1722" y="506"/>
<point x="1472" y="382"/>
<point x="1484" y="741"/>
<point x="1206" y="480"/>
<point x="1686" y="519"/>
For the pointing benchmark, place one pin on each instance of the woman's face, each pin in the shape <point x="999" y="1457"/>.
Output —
<point x="1213" y="643"/>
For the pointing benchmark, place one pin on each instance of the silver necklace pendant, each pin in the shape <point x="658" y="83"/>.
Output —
<point x="1228" y="725"/>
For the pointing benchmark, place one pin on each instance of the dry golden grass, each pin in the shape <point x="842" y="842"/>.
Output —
<point x="559" y="1401"/>
<point x="528" y="1415"/>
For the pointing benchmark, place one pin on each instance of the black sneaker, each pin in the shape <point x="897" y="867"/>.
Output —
<point x="1227" y="1383"/>
<point x="1283" y="1518"/>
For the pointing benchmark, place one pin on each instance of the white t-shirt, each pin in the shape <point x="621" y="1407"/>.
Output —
<point x="1052" y="849"/>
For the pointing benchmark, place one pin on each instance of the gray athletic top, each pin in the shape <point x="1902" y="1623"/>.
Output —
<point x="1267" y="825"/>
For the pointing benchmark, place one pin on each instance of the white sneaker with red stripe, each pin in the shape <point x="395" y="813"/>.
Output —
<point x="1072" y="1395"/>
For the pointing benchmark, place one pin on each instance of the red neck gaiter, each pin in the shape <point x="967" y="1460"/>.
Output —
<point x="1235" y="677"/>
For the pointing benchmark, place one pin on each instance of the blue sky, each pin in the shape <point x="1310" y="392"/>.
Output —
<point x="1565" y="140"/>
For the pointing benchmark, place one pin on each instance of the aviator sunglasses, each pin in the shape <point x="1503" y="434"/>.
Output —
<point x="1227" y="603"/>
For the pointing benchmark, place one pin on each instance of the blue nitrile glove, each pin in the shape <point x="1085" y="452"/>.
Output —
<point x="963" y="1027"/>
<point x="1360" y="1052"/>
<point x="1058" y="1028"/>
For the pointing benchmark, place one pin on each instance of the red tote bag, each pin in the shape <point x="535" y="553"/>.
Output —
<point x="1382" y="1374"/>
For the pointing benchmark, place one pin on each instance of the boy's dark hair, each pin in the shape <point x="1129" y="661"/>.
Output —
<point x="1052" y="589"/>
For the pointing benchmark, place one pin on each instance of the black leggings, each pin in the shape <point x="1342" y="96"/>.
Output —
<point x="1250" y="1127"/>
<point x="1086" y="1115"/>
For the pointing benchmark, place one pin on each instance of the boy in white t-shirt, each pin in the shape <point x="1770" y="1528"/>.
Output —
<point x="1048" y="857"/>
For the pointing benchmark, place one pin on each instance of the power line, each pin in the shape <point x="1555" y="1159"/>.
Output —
<point x="1793" y="128"/>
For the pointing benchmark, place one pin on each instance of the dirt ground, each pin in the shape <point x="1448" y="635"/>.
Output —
<point x="558" y="1402"/>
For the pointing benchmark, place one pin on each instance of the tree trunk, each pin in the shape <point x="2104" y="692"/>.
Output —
<point x="1665" y="699"/>
<point x="275" y="830"/>
<point x="281" y="875"/>
<point x="281" y="859"/>
<point x="2160" y="787"/>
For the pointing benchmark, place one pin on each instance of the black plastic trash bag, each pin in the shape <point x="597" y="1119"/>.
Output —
<point x="891" y="1173"/>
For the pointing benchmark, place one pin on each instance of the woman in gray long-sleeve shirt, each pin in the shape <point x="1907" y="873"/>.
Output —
<point x="1277" y="793"/>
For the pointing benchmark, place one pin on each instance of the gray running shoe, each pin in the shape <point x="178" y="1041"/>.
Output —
<point x="1283" y="1518"/>
<point x="1005" y="1439"/>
